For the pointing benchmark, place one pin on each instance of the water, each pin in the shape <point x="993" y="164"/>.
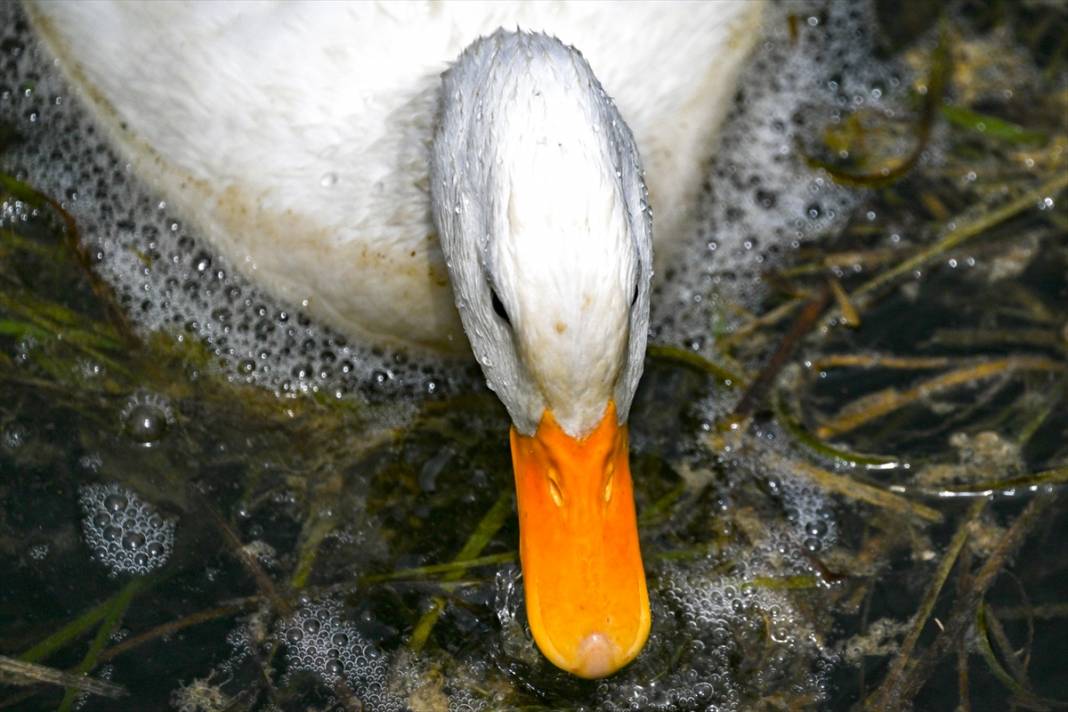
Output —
<point x="230" y="507"/>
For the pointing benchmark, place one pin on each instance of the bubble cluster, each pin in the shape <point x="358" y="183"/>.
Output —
<point x="318" y="640"/>
<point x="727" y="617"/>
<point x="809" y="513"/>
<point x="125" y="533"/>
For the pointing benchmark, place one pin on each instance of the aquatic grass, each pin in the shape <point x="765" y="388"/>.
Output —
<point x="76" y="249"/>
<point x="1015" y="677"/>
<point x="878" y="405"/>
<point x="792" y="425"/>
<point x="264" y="583"/>
<point x="19" y="672"/>
<point x="685" y="357"/>
<point x="487" y="528"/>
<point x="923" y="613"/>
<point x="108" y="625"/>
<point x="852" y="488"/>
<point x="170" y="628"/>
<point x="1006" y="485"/>
<point x="869" y="360"/>
<point x="758" y="389"/>
<point x="991" y="126"/>
<point x="83" y="623"/>
<point x="959" y="231"/>
<point x="758" y="323"/>
<point x="318" y="525"/>
<point x="435" y="570"/>
<point x="910" y="673"/>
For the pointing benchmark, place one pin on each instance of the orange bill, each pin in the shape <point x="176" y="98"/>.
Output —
<point x="578" y="544"/>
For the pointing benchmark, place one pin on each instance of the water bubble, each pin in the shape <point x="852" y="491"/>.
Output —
<point x="115" y="502"/>
<point x="146" y="417"/>
<point x="146" y="424"/>
<point x="817" y="528"/>
<point x="133" y="540"/>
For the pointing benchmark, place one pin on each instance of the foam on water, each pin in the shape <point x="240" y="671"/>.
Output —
<point x="761" y="201"/>
<point x="126" y="533"/>
<point x="317" y="639"/>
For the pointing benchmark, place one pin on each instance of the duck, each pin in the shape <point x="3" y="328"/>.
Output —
<point x="467" y="179"/>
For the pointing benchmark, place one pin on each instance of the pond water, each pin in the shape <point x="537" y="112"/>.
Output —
<point x="848" y="447"/>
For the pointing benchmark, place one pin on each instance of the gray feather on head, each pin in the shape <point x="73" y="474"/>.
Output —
<point x="538" y="198"/>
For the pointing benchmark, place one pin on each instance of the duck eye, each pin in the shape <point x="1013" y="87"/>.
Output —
<point x="499" y="307"/>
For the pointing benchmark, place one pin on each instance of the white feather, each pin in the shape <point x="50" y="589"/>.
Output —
<point x="295" y="135"/>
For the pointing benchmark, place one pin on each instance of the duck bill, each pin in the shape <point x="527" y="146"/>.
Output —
<point x="587" y="602"/>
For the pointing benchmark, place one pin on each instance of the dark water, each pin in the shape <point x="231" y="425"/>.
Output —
<point x="206" y="538"/>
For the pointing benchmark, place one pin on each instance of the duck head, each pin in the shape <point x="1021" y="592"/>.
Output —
<point x="541" y="210"/>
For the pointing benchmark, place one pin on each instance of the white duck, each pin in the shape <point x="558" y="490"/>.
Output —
<point x="300" y="139"/>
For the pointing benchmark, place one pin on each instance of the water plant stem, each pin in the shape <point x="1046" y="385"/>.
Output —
<point x="898" y="689"/>
<point x="957" y="234"/>
<point x="487" y="528"/>
<point x="112" y="619"/>
<point x="855" y="415"/>
<point x="854" y="489"/>
<point x="923" y="613"/>
<point x="44" y="649"/>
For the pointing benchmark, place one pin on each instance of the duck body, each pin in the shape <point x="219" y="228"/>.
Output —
<point x="412" y="173"/>
<point x="296" y="136"/>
